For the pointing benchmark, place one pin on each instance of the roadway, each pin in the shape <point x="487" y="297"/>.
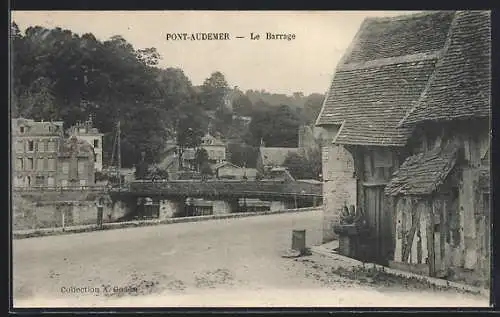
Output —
<point x="234" y="262"/>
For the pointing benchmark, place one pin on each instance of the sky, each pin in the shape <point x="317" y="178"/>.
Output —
<point x="305" y="64"/>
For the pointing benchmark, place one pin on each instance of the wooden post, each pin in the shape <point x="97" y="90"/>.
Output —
<point x="430" y="238"/>
<point x="414" y="225"/>
<point x="63" y="222"/>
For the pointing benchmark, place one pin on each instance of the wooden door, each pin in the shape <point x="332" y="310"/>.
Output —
<point x="379" y="222"/>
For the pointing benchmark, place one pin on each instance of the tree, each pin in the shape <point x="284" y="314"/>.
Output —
<point x="206" y="170"/>
<point x="200" y="158"/>
<point x="276" y="126"/>
<point x="242" y="105"/>
<point x="302" y="167"/>
<point x="58" y="74"/>
<point x="242" y="154"/>
<point x="214" y="91"/>
<point x="312" y="107"/>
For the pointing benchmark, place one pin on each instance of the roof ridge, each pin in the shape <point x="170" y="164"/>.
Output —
<point x="410" y="16"/>
<point x="401" y="59"/>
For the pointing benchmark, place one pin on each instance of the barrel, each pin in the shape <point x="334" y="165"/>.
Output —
<point x="299" y="240"/>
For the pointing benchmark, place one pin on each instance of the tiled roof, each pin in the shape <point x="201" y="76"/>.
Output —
<point x="275" y="156"/>
<point x="37" y="128"/>
<point x="382" y="75"/>
<point x="372" y="101"/>
<point x="423" y="173"/>
<point x="399" y="36"/>
<point x="461" y="86"/>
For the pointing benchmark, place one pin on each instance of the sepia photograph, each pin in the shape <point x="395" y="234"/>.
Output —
<point x="250" y="159"/>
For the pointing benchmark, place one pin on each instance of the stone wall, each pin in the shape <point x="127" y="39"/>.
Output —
<point x="339" y="186"/>
<point x="34" y="211"/>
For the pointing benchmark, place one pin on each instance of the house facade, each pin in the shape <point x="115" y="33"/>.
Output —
<point x="410" y="103"/>
<point x="76" y="163"/>
<point x="87" y="132"/>
<point x="216" y="150"/>
<point x="227" y="170"/>
<point x="441" y="193"/>
<point x="34" y="152"/>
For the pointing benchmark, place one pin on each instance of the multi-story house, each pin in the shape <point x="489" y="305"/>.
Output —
<point x="34" y="152"/>
<point x="86" y="132"/>
<point x="216" y="150"/>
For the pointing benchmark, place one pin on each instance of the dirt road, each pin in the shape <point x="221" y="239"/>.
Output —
<point x="235" y="262"/>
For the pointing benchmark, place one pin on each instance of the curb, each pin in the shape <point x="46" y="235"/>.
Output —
<point x="432" y="280"/>
<point x="25" y="234"/>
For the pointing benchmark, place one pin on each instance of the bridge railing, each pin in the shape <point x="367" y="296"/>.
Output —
<point x="226" y="187"/>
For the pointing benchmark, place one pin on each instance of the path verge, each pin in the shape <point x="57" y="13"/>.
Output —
<point x="347" y="263"/>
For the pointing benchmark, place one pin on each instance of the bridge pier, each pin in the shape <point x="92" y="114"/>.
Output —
<point x="221" y="207"/>
<point x="170" y="208"/>
<point x="281" y="205"/>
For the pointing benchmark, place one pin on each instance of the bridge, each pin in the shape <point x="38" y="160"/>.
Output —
<point x="175" y="198"/>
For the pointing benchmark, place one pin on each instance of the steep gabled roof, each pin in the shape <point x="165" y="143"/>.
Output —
<point x="381" y="75"/>
<point x="461" y="86"/>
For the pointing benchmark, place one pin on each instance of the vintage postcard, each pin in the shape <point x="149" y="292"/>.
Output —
<point x="250" y="158"/>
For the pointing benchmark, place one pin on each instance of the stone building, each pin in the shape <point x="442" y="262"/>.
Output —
<point x="227" y="170"/>
<point x="411" y="103"/>
<point x="76" y="163"/>
<point x="34" y="152"/>
<point x="216" y="150"/>
<point x="86" y="132"/>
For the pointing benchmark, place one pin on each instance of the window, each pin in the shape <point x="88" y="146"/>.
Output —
<point x="30" y="163"/>
<point x="31" y="145"/>
<point x="19" y="164"/>
<point x="96" y="143"/>
<point x="81" y="167"/>
<point x="19" y="181"/>
<point x="28" y="181"/>
<point x="39" y="164"/>
<point x="65" y="167"/>
<point x="97" y="158"/>
<point x="51" y="146"/>
<point x="83" y="182"/>
<point x="21" y="129"/>
<point x="51" y="164"/>
<point x="41" y="146"/>
<point x="39" y="180"/>
<point x="50" y="181"/>
<point x="19" y="147"/>
<point x="64" y="183"/>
